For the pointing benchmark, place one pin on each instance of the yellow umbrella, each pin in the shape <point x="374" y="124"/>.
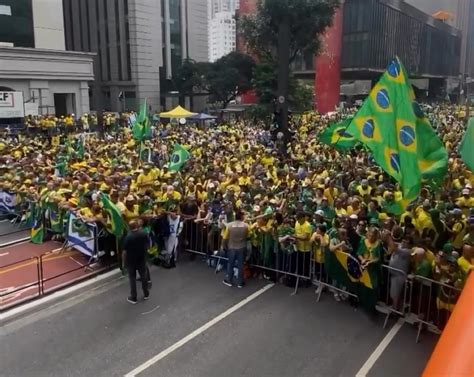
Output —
<point x="177" y="112"/>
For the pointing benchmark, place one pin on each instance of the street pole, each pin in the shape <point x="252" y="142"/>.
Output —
<point x="468" y="100"/>
<point x="284" y="73"/>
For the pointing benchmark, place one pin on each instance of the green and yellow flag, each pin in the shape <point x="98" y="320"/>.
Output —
<point x="117" y="224"/>
<point x="347" y="271"/>
<point x="393" y="126"/>
<point x="37" y="230"/>
<point x="178" y="158"/>
<point x="141" y="128"/>
<point x="466" y="149"/>
<point x="337" y="136"/>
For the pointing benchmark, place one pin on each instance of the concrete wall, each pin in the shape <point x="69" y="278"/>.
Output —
<point x="40" y="74"/>
<point x="48" y="24"/>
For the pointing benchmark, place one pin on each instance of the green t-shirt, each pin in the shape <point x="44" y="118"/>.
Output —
<point x="424" y="268"/>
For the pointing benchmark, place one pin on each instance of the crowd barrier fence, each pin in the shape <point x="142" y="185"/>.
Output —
<point x="415" y="299"/>
<point x="43" y="277"/>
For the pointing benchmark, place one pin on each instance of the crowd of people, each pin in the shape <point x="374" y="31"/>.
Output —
<point x="303" y="203"/>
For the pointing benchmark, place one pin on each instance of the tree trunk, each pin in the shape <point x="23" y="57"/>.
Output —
<point x="283" y="73"/>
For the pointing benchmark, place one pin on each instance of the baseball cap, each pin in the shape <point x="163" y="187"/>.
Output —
<point x="320" y="213"/>
<point x="418" y="251"/>
<point x="466" y="191"/>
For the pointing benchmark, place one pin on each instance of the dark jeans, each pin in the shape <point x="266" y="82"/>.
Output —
<point x="132" y="277"/>
<point x="236" y="259"/>
<point x="303" y="263"/>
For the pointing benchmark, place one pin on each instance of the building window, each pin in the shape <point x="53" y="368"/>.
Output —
<point x="17" y="28"/>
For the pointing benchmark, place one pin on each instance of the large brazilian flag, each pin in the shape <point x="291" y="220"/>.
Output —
<point x="393" y="126"/>
<point x="336" y="135"/>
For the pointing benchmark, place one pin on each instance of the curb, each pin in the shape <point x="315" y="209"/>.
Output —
<point x="21" y="311"/>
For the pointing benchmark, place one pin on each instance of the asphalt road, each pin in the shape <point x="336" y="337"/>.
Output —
<point x="98" y="333"/>
<point x="12" y="232"/>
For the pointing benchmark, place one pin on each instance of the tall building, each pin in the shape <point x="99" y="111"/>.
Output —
<point x="33" y="59"/>
<point x="139" y="43"/>
<point x="459" y="14"/>
<point x="222" y="35"/>
<point x="216" y="6"/>
<point x="197" y="30"/>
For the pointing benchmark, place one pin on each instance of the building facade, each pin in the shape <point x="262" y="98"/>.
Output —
<point x="217" y="6"/>
<point x="222" y="35"/>
<point x="127" y="43"/>
<point x="460" y="15"/>
<point x="139" y="44"/>
<point x="33" y="59"/>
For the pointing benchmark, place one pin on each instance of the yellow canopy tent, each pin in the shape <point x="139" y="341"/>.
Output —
<point x="176" y="113"/>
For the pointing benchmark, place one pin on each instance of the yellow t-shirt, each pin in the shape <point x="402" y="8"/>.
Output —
<point x="318" y="250"/>
<point x="341" y="212"/>
<point x="304" y="229"/>
<point x="86" y="212"/>
<point x="145" y="179"/>
<point x="465" y="265"/>
<point x="131" y="214"/>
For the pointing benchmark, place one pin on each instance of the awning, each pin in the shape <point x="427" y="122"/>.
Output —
<point x="202" y="116"/>
<point x="177" y="112"/>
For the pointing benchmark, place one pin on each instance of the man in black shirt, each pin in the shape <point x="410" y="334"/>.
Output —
<point x="135" y="246"/>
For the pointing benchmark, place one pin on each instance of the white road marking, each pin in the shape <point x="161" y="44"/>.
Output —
<point x="19" y="241"/>
<point x="380" y="348"/>
<point x="151" y="311"/>
<point x="196" y="332"/>
<point x="4" y="254"/>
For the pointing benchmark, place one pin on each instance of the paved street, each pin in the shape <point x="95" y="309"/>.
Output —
<point x="10" y="233"/>
<point x="97" y="333"/>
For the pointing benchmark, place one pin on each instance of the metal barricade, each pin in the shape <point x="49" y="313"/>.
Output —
<point x="395" y="293"/>
<point x="6" y="293"/>
<point x="423" y="302"/>
<point x="322" y="280"/>
<point x="432" y="302"/>
<point x="45" y="276"/>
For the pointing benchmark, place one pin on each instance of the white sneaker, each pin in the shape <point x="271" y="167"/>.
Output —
<point x="337" y="297"/>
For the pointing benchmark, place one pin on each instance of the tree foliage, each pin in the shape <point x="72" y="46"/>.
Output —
<point x="308" y="20"/>
<point x="222" y="80"/>
<point x="229" y="77"/>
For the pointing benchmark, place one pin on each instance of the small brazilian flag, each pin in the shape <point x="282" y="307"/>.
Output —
<point x="393" y="126"/>
<point x="117" y="225"/>
<point x="466" y="149"/>
<point x="178" y="158"/>
<point x="336" y="136"/>
<point x="346" y="270"/>
<point x="142" y="128"/>
<point x="37" y="231"/>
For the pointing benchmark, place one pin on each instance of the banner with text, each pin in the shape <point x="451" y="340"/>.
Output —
<point x="11" y="105"/>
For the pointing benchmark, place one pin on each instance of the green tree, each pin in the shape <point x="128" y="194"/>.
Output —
<point x="228" y="77"/>
<point x="189" y="80"/>
<point x="282" y="30"/>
